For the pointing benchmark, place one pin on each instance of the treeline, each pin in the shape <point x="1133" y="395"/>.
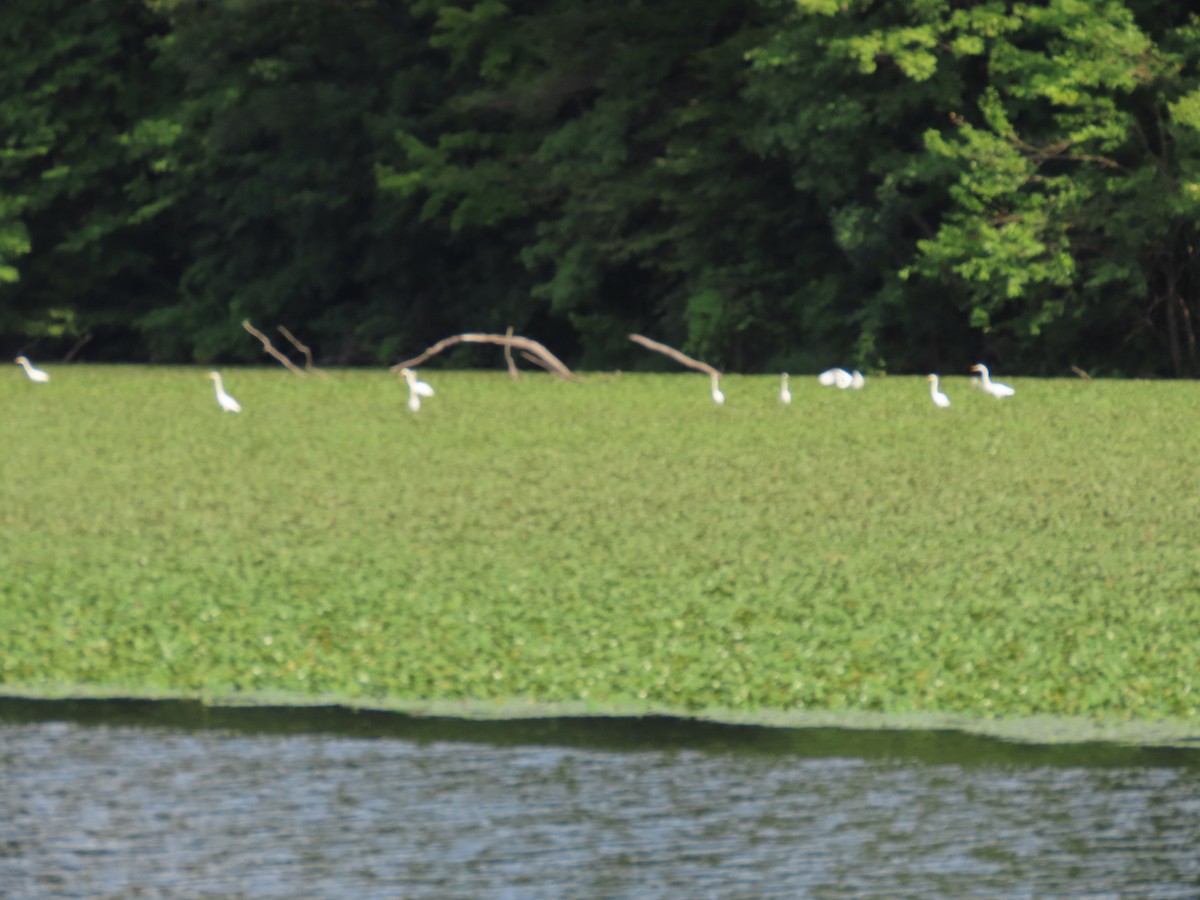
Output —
<point x="766" y="184"/>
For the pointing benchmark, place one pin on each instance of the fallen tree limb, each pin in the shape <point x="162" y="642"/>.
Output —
<point x="548" y="359"/>
<point x="537" y="362"/>
<point x="681" y="358"/>
<point x="303" y="348"/>
<point x="508" y="357"/>
<point x="266" y="342"/>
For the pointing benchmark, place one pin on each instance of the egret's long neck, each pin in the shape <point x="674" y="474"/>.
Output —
<point x="24" y="364"/>
<point x="217" y="386"/>
<point x="983" y="376"/>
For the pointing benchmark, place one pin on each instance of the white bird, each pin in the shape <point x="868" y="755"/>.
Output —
<point x="992" y="387"/>
<point x="939" y="398"/>
<point x="419" y="388"/>
<point x="785" y="395"/>
<point x="718" y="397"/>
<point x="416" y="389"/>
<point x="34" y="374"/>
<point x="840" y="377"/>
<point x="227" y="403"/>
<point x="857" y="380"/>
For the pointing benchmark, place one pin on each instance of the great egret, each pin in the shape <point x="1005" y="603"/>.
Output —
<point x="785" y="395"/>
<point x="939" y="398"/>
<point x="839" y="377"/>
<point x="718" y="397"/>
<point x="419" y="388"/>
<point x="857" y="380"/>
<point x="416" y="389"/>
<point x="992" y="387"/>
<point x="34" y="374"/>
<point x="227" y="403"/>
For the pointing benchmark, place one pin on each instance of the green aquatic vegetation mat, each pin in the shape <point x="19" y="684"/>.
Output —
<point x="620" y="543"/>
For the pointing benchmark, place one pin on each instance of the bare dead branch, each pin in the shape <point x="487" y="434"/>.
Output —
<point x="537" y="362"/>
<point x="551" y="362"/>
<point x="77" y="346"/>
<point x="681" y="358"/>
<point x="308" y="357"/>
<point x="266" y="342"/>
<point x="508" y="359"/>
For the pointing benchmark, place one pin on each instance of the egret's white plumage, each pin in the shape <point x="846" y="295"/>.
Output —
<point x="857" y="380"/>
<point x="419" y="388"/>
<point x="839" y="377"/>
<point x="34" y="374"/>
<point x="717" y="395"/>
<point x="992" y="387"/>
<point x="227" y="403"/>
<point x="939" y="398"/>
<point x="416" y="389"/>
<point x="785" y="394"/>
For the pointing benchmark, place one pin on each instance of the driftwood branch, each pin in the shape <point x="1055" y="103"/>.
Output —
<point x="266" y="342"/>
<point x="303" y="348"/>
<point x="548" y="359"/>
<point x="537" y="362"/>
<point x="508" y="359"/>
<point x="78" y="345"/>
<point x="681" y="358"/>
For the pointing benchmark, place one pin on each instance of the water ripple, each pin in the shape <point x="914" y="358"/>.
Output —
<point x="122" y="811"/>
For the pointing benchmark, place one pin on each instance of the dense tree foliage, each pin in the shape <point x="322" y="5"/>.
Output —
<point x="765" y="183"/>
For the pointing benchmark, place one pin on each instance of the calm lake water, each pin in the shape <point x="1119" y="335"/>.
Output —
<point x="102" y="799"/>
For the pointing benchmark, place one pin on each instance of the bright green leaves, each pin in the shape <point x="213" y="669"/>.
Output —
<point x="1055" y="196"/>
<point x="910" y="49"/>
<point x="1039" y="157"/>
<point x="14" y="238"/>
<point x="1000" y="236"/>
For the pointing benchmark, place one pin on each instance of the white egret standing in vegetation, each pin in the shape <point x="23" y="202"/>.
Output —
<point x="939" y="398"/>
<point x="992" y="387"/>
<point x="227" y="403"/>
<point x="420" y="388"/>
<point x="785" y="395"/>
<point x="718" y="397"/>
<point x="416" y="389"/>
<point x="34" y="374"/>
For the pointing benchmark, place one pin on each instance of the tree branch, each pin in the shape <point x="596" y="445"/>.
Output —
<point x="548" y="359"/>
<point x="675" y="355"/>
<point x="508" y="357"/>
<point x="308" y="357"/>
<point x="266" y="342"/>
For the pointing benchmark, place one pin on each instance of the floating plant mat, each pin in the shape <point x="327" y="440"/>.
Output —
<point x="613" y="545"/>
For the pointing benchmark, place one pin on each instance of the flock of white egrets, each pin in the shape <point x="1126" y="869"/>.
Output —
<point x="840" y="378"/>
<point x="417" y="389"/>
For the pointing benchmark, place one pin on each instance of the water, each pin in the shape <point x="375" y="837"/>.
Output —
<point x="173" y="800"/>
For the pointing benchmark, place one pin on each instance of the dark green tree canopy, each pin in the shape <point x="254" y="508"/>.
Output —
<point x="764" y="183"/>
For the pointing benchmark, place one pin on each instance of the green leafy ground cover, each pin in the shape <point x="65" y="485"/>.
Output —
<point x="616" y="544"/>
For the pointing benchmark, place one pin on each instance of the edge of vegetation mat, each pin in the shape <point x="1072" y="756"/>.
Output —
<point x="619" y="545"/>
<point x="1177" y="733"/>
